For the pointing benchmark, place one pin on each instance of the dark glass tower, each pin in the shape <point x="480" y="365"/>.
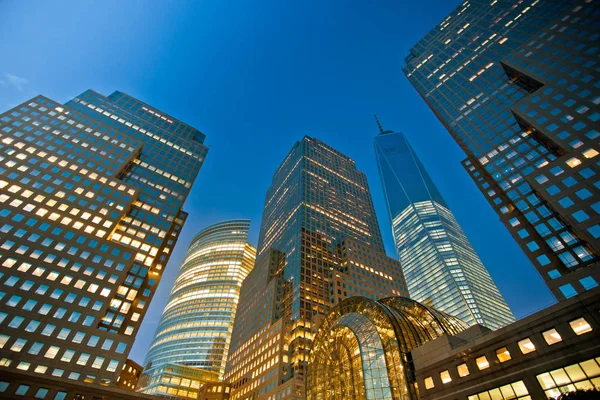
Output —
<point x="440" y="266"/>
<point x="319" y="244"/>
<point x="516" y="85"/>
<point x="90" y="210"/>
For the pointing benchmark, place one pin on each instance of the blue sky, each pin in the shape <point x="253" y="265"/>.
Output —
<point x="255" y="76"/>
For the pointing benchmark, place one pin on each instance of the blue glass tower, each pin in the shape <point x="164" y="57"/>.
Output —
<point x="516" y="86"/>
<point x="440" y="266"/>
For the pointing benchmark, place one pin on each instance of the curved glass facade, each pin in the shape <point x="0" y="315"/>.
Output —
<point x="361" y="349"/>
<point x="192" y="340"/>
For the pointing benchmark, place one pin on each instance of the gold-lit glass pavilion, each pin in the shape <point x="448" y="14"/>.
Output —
<point x="361" y="350"/>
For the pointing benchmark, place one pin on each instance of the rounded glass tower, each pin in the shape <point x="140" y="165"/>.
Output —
<point x="192" y="340"/>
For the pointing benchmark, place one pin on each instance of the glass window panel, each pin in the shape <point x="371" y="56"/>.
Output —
<point x="445" y="376"/>
<point x="551" y="336"/>
<point x="560" y="377"/>
<point x="546" y="381"/>
<point x="575" y="373"/>
<point x="463" y="370"/>
<point x="520" y="388"/>
<point x="590" y="368"/>
<point x="580" y="326"/>
<point x="503" y="354"/>
<point x="482" y="363"/>
<point x="526" y="346"/>
<point x="429" y="382"/>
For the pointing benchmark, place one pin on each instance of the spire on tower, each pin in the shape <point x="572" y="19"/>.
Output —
<point x="378" y="124"/>
<point x="381" y="131"/>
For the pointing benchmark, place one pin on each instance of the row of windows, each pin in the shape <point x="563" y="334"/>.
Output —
<point x="551" y="336"/>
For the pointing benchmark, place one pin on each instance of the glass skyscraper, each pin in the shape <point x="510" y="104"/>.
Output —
<point x="90" y="210"/>
<point x="319" y="243"/>
<point x="440" y="266"/>
<point x="516" y="85"/>
<point x="192" y="340"/>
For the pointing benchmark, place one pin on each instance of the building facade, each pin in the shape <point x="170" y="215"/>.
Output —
<point x="91" y="196"/>
<point x="362" y="348"/>
<point x="130" y="374"/>
<point x="553" y="351"/>
<point x="191" y="342"/>
<point x="440" y="266"/>
<point x="319" y="243"/>
<point x="516" y="85"/>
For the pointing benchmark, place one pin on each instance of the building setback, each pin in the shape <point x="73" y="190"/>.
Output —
<point x="440" y="265"/>
<point x="319" y="243"/>
<point x="191" y="342"/>
<point x="90" y="209"/>
<point x="516" y="85"/>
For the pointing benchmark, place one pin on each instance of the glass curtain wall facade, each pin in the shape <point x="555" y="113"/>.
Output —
<point x="362" y="349"/>
<point x="191" y="343"/>
<point x="90" y="209"/>
<point x="440" y="265"/>
<point x="516" y="85"/>
<point x="319" y="243"/>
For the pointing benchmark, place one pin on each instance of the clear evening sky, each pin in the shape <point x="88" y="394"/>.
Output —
<point x="256" y="76"/>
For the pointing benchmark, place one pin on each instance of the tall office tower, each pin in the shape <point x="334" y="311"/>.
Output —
<point x="516" y="85"/>
<point x="440" y="266"/>
<point x="192" y="340"/>
<point x="319" y="243"/>
<point x="90" y="210"/>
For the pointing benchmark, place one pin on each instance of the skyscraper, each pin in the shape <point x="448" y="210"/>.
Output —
<point x="440" y="266"/>
<point x="516" y="85"/>
<point x="192" y="340"/>
<point x="319" y="243"/>
<point x="90" y="210"/>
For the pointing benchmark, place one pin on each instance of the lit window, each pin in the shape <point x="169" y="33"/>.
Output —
<point x="482" y="363"/>
<point x="503" y="354"/>
<point x="463" y="370"/>
<point x="429" y="383"/>
<point x="590" y="153"/>
<point x="526" y="346"/>
<point x="445" y="376"/>
<point x="52" y="352"/>
<point x="551" y="337"/>
<point x="580" y="326"/>
<point x="573" y="162"/>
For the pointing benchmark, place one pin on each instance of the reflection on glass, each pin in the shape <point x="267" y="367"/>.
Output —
<point x="580" y="326"/>
<point x="482" y="363"/>
<point x="526" y="346"/>
<point x="551" y="336"/>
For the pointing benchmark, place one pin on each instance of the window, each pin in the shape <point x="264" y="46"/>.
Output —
<point x="428" y="383"/>
<point x="580" y="326"/>
<point x="22" y="390"/>
<point x="526" y="346"/>
<point x="503" y="354"/>
<point x="568" y="378"/>
<point x="445" y="376"/>
<point x="590" y="153"/>
<point x="573" y="162"/>
<point x="463" y="370"/>
<point x="83" y="359"/>
<point x="52" y="352"/>
<point x="41" y="393"/>
<point x="551" y="337"/>
<point x="482" y="363"/>
<point x="515" y="390"/>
